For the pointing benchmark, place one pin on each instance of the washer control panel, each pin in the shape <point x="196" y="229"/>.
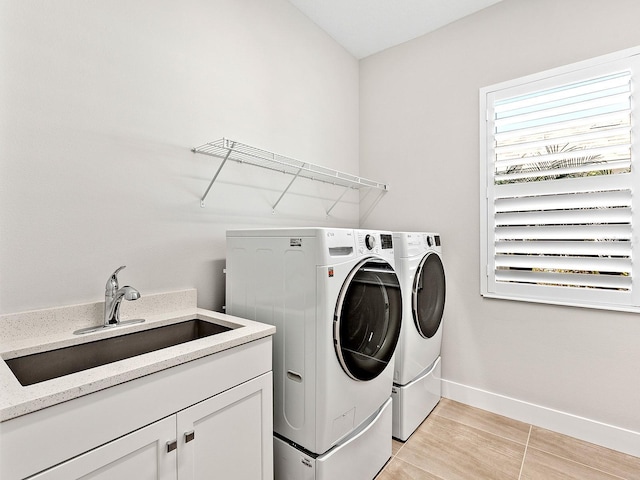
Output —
<point x="374" y="242"/>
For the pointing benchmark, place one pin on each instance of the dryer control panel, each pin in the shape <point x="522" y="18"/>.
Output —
<point x="431" y="240"/>
<point x="411" y="244"/>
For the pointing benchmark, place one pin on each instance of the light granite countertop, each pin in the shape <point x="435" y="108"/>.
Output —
<point x="32" y="332"/>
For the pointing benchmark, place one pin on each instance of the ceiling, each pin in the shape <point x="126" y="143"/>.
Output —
<point x="365" y="27"/>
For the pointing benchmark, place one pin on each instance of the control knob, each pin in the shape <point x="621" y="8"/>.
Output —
<point x="370" y="241"/>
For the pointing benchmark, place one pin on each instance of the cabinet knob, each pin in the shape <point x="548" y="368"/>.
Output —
<point x="188" y="436"/>
<point x="171" y="446"/>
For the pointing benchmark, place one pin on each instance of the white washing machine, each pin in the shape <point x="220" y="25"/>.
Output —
<point x="417" y="373"/>
<point x="335" y="300"/>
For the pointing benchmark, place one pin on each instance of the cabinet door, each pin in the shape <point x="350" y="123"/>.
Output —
<point x="141" y="455"/>
<point x="229" y="436"/>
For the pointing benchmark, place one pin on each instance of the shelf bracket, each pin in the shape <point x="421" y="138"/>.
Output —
<point x="338" y="200"/>
<point x="273" y="209"/>
<point x="229" y="150"/>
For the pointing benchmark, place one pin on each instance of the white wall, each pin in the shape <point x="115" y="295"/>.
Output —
<point x="419" y="132"/>
<point x="100" y="104"/>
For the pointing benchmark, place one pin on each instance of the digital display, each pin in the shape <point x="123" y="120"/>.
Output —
<point x="386" y="240"/>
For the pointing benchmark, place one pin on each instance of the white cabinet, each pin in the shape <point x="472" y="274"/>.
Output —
<point x="226" y="436"/>
<point x="229" y="436"/>
<point x="224" y="400"/>
<point x="141" y="455"/>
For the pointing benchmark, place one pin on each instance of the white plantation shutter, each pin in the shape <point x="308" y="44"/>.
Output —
<point x="557" y="189"/>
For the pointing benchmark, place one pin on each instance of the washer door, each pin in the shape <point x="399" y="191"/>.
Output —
<point x="428" y="295"/>
<point x="367" y="319"/>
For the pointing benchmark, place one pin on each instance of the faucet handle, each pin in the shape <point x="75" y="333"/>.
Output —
<point x="112" y="283"/>
<point x="115" y="274"/>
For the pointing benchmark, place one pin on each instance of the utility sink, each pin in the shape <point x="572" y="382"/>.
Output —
<point x="38" y="367"/>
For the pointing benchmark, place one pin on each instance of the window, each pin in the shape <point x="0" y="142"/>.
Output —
<point x="559" y="213"/>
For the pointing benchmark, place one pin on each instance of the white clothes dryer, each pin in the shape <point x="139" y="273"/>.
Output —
<point x="335" y="300"/>
<point x="417" y="373"/>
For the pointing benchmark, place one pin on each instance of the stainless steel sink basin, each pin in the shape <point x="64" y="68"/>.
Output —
<point x="43" y="366"/>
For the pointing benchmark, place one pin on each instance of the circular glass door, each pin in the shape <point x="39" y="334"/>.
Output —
<point x="428" y="295"/>
<point x="367" y="319"/>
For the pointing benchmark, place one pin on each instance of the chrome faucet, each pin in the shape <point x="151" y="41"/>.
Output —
<point x="113" y="298"/>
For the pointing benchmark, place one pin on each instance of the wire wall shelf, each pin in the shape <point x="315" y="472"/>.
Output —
<point x="226" y="149"/>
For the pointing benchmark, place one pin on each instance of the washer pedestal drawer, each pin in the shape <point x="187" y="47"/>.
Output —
<point x="359" y="457"/>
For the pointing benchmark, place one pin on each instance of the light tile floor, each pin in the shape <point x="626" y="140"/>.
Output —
<point x="459" y="442"/>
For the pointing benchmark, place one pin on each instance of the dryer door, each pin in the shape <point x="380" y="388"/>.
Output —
<point x="367" y="319"/>
<point x="428" y="295"/>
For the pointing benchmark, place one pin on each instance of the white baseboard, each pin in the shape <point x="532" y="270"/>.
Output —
<point x="609" y="436"/>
